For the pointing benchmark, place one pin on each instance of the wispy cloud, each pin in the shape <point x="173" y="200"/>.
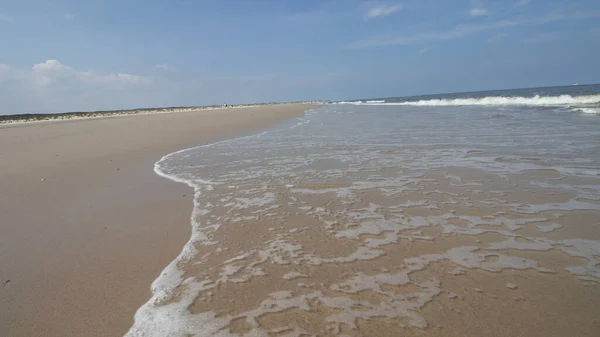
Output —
<point x="319" y="78"/>
<point x="423" y="51"/>
<point x="478" y="12"/>
<point x="91" y="77"/>
<point x="541" y="38"/>
<point x="6" y="18"/>
<point x="497" y="37"/>
<point x="477" y="8"/>
<point x="163" y="66"/>
<point x="463" y="30"/>
<point x="522" y="3"/>
<point x="248" y="78"/>
<point x="453" y="33"/>
<point x="381" y="11"/>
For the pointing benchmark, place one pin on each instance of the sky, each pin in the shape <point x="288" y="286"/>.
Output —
<point x="73" y="55"/>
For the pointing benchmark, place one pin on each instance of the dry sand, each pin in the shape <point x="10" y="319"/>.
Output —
<point x="86" y="224"/>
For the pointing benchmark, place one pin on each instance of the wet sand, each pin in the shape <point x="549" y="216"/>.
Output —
<point x="349" y="225"/>
<point x="309" y="268"/>
<point x="86" y="224"/>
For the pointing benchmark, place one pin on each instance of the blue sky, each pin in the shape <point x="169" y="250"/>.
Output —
<point x="109" y="54"/>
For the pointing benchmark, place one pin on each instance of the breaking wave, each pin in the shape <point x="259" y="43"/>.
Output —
<point x="562" y="100"/>
<point x="589" y="110"/>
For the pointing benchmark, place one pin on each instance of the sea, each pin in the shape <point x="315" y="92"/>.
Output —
<point x="409" y="216"/>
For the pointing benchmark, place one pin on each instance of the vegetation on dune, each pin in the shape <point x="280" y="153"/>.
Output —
<point x="67" y="115"/>
<point x="49" y="116"/>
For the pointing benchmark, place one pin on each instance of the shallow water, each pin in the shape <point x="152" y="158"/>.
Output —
<point x="362" y="219"/>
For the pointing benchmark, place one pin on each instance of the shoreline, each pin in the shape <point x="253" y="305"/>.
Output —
<point x="299" y="232"/>
<point x="79" y="260"/>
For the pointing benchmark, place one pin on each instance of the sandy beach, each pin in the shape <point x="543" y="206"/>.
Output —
<point x="86" y="224"/>
<point x="341" y="223"/>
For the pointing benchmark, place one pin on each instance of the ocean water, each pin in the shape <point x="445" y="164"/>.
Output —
<point x="353" y="218"/>
<point x="582" y="98"/>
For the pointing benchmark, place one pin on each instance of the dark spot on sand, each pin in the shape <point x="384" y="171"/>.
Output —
<point x="5" y="282"/>
<point x="185" y="195"/>
<point x="118" y="169"/>
<point x="105" y="227"/>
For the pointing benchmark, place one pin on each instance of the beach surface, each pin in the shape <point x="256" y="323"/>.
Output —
<point x="85" y="223"/>
<point x="377" y="219"/>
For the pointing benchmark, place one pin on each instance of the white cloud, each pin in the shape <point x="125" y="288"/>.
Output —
<point x="50" y="65"/>
<point x="381" y="11"/>
<point x="5" y="18"/>
<point x="463" y="30"/>
<point x="45" y="73"/>
<point x="162" y="66"/>
<point x="522" y="3"/>
<point x="423" y="51"/>
<point x="477" y="8"/>
<point x="66" y="88"/>
<point x="52" y="70"/>
<point x="52" y="86"/>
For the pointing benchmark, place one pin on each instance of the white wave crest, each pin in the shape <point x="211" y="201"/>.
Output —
<point x="349" y="102"/>
<point x="561" y="100"/>
<point x="595" y="111"/>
